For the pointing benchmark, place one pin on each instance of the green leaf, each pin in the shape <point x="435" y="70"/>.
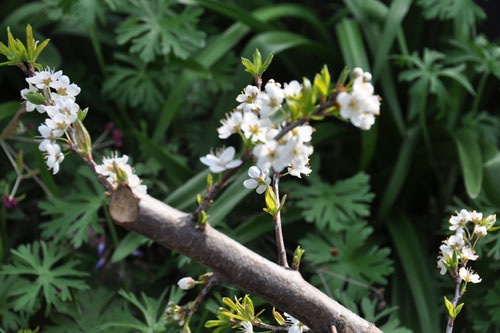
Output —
<point x="450" y="308"/>
<point x="132" y="82"/>
<point x="75" y="213"/>
<point x="152" y="311"/>
<point x="470" y="157"/>
<point x="50" y="279"/>
<point x="351" y="44"/>
<point x="491" y="179"/>
<point x="154" y="28"/>
<point x="349" y="254"/>
<point x="417" y="269"/>
<point x="10" y="320"/>
<point x="127" y="245"/>
<point x="334" y="206"/>
<point x="90" y="312"/>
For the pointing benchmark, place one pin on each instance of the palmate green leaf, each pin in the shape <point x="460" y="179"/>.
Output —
<point x="465" y="12"/>
<point x="11" y="320"/>
<point x="152" y="318"/>
<point x="90" y="312"/>
<point x="158" y="28"/>
<point x="481" y="52"/>
<point x="426" y="74"/>
<point x="370" y="311"/>
<point x="334" y="206"/>
<point x="353" y="257"/>
<point x="74" y="214"/>
<point x="48" y="279"/>
<point x="136" y="84"/>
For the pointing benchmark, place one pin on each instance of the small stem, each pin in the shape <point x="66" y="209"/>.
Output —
<point x="210" y="195"/>
<point x="277" y="225"/>
<point x="456" y="298"/>
<point x="213" y="280"/>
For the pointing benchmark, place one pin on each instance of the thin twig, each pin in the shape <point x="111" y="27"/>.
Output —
<point x="212" y="193"/>
<point x="277" y="224"/>
<point x="456" y="298"/>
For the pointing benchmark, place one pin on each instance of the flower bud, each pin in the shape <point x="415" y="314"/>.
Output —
<point x="186" y="283"/>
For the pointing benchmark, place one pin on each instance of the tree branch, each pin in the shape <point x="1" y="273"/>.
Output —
<point x="236" y="264"/>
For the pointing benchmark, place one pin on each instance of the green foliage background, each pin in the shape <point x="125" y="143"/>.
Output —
<point x="370" y="217"/>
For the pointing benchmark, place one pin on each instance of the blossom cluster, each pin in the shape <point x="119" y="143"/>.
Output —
<point x="257" y="120"/>
<point x="458" y="249"/>
<point x="53" y="94"/>
<point x="360" y="106"/>
<point x="260" y="119"/>
<point x="117" y="170"/>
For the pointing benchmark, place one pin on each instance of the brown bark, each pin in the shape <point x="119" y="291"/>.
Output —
<point x="237" y="265"/>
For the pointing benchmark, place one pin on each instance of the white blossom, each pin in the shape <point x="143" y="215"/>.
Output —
<point x="271" y="99"/>
<point x="247" y="99"/>
<point x="359" y="106"/>
<point x="64" y="88"/>
<point x="230" y="125"/>
<point x="459" y="220"/>
<point x="272" y="154"/>
<point x="255" y="128"/>
<point x="294" y="325"/>
<point x="468" y="275"/>
<point x="246" y="327"/>
<point x="108" y="169"/>
<point x="466" y="253"/>
<point x="45" y="79"/>
<point x="221" y="160"/>
<point x="480" y="230"/>
<point x="292" y="89"/>
<point x="53" y="157"/>
<point x="259" y="180"/>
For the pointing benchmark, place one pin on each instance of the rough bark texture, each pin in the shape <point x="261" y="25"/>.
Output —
<point x="236" y="264"/>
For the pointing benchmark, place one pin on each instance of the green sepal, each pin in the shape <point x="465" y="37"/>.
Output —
<point x="459" y="308"/>
<point x="35" y="98"/>
<point x="20" y="160"/>
<point x="82" y="114"/>
<point x="297" y="257"/>
<point x="271" y="202"/>
<point x="322" y="83"/>
<point x="278" y="317"/>
<point x="210" y="180"/>
<point x="121" y="176"/>
<point x="83" y="140"/>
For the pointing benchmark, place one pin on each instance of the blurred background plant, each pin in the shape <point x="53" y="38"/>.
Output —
<point x="158" y="75"/>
